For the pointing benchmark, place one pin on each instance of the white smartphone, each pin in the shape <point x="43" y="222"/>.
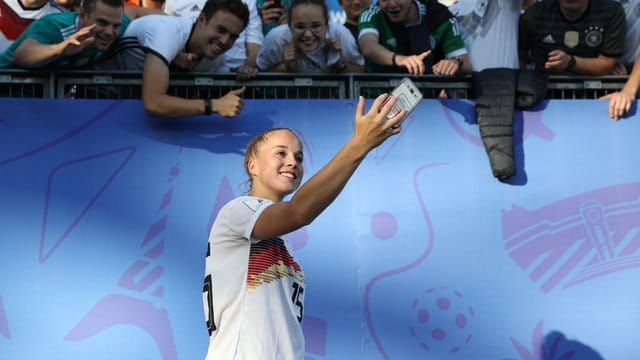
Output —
<point x="409" y="96"/>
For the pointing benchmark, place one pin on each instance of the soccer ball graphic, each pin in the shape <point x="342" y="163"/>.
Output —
<point x="441" y="321"/>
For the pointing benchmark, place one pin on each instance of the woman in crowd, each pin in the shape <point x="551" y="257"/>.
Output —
<point x="309" y="43"/>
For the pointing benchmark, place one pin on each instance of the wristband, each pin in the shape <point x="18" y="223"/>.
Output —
<point x="460" y="62"/>
<point x="207" y="106"/>
<point x="393" y="60"/>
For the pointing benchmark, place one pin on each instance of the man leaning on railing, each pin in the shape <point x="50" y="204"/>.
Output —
<point x="153" y="44"/>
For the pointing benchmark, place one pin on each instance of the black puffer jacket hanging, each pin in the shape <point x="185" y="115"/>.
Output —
<point x="496" y="92"/>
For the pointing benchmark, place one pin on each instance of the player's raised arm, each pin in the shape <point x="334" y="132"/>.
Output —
<point x="371" y="129"/>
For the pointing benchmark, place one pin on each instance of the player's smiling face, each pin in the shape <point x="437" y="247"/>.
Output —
<point x="276" y="170"/>
<point x="398" y="11"/>
<point x="216" y="35"/>
<point x="308" y="26"/>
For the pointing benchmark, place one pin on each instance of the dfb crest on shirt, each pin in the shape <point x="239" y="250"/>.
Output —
<point x="594" y="36"/>
<point x="571" y="38"/>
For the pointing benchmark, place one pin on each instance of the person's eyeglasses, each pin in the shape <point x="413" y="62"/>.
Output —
<point x="314" y="28"/>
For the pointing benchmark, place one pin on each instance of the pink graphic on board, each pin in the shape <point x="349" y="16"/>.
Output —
<point x="534" y="352"/>
<point x="4" y="322"/>
<point x="576" y="239"/>
<point x="113" y="310"/>
<point x="383" y="228"/>
<point x="224" y="195"/>
<point x="25" y="153"/>
<point x="144" y="276"/>
<point x="108" y="163"/>
<point x="384" y="225"/>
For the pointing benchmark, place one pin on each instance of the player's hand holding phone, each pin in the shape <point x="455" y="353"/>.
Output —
<point x="408" y="98"/>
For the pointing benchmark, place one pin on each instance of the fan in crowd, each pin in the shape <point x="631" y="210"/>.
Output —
<point x="150" y="44"/>
<point x="240" y="59"/>
<point x="582" y="37"/>
<point x="68" y="39"/>
<point x="310" y="43"/>
<point x="352" y="10"/>
<point x="485" y="23"/>
<point x="418" y="37"/>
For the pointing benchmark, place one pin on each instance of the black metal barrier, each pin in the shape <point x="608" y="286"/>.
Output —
<point x="127" y="85"/>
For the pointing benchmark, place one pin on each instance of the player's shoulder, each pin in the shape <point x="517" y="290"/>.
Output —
<point x="245" y="203"/>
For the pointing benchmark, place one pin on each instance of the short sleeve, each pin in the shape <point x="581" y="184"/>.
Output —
<point x="368" y="21"/>
<point x="242" y="213"/>
<point x="452" y="42"/>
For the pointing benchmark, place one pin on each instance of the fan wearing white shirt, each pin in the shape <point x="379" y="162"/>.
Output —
<point x="241" y="58"/>
<point x="310" y="43"/>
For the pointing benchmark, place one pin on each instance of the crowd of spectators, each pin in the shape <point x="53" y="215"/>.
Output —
<point x="245" y="37"/>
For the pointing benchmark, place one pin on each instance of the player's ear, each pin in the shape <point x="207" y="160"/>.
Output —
<point x="251" y="167"/>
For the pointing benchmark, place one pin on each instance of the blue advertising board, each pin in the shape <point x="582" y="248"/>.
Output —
<point x="105" y="214"/>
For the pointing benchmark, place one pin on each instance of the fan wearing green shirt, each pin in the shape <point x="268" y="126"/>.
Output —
<point x="412" y="36"/>
<point x="70" y="40"/>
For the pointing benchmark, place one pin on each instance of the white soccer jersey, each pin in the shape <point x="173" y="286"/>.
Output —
<point x="237" y="54"/>
<point x="490" y="31"/>
<point x="315" y="62"/>
<point x="253" y="290"/>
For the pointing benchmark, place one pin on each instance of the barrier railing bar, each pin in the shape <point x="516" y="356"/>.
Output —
<point x="127" y="85"/>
